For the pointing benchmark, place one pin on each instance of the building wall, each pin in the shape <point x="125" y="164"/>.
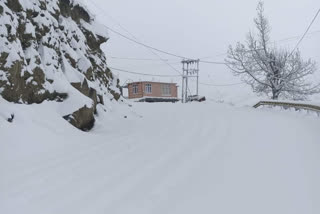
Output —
<point x="156" y="90"/>
<point x="130" y="90"/>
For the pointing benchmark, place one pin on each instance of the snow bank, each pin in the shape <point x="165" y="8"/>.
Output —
<point x="167" y="158"/>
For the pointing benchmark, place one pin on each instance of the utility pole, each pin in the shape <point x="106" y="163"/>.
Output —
<point x="190" y="69"/>
<point x="182" y="85"/>
<point x="198" y="77"/>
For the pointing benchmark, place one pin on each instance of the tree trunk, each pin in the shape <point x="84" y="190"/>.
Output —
<point x="275" y="94"/>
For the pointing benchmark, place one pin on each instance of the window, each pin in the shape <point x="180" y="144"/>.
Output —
<point x="166" y="90"/>
<point x="135" y="89"/>
<point x="148" y="89"/>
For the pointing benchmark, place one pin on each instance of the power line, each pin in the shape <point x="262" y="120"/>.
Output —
<point x="226" y="63"/>
<point x="160" y="75"/>
<point x="152" y="49"/>
<point x="222" y="63"/>
<point x="281" y="40"/>
<point x="305" y="33"/>
<point x="179" y="56"/>
<point x="143" y="74"/>
<point x="139" y="59"/>
<point x="296" y="37"/>
<point x="135" y="40"/>
<point x="183" y="57"/>
<point x="147" y="46"/>
<point x="221" y="85"/>
<point x="212" y="62"/>
<point x="146" y="61"/>
<point x="209" y="57"/>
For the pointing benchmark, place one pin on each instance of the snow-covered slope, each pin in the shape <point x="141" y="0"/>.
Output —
<point x="163" y="158"/>
<point x="50" y="50"/>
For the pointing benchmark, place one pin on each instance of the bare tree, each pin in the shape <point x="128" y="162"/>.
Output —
<point x="269" y="70"/>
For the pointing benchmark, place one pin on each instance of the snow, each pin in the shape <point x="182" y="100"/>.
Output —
<point x="96" y="28"/>
<point x="162" y="158"/>
<point x="71" y="73"/>
<point x="221" y="156"/>
<point x="44" y="19"/>
<point x="59" y="37"/>
<point x="14" y="50"/>
<point x="30" y="29"/>
<point x="30" y="4"/>
<point x="150" y="97"/>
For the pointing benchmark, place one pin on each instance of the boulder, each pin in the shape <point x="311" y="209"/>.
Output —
<point x="82" y="119"/>
<point x="87" y="91"/>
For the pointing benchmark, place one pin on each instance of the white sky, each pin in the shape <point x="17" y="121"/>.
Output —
<point x="197" y="29"/>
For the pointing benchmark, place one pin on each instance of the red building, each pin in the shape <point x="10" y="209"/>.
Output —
<point x="153" y="91"/>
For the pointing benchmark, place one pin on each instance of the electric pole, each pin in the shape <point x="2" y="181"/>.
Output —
<point x="190" y="69"/>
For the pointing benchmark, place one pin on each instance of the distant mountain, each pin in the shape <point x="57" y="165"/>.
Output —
<point x="50" y="50"/>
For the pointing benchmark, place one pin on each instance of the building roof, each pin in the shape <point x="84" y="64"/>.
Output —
<point x="151" y="82"/>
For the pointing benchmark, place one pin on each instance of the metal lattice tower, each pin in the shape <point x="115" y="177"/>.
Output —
<point x="190" y="69"/>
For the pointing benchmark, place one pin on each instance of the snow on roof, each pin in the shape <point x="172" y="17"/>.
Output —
<point x="172" y="83"/>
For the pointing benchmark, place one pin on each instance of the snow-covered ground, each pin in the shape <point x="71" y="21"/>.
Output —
<point x="160" y="158"/>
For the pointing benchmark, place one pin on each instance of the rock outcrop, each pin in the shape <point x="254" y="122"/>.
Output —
<point x="83" y="118"/>
<point x="48" y="49"/>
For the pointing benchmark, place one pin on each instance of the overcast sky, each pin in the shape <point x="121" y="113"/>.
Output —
<point x="198" y="29"/>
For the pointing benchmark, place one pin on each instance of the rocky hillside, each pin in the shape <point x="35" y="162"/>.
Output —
<point x="50" y="50"/>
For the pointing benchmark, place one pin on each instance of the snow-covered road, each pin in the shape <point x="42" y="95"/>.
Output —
<point x="162" y="158"/>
